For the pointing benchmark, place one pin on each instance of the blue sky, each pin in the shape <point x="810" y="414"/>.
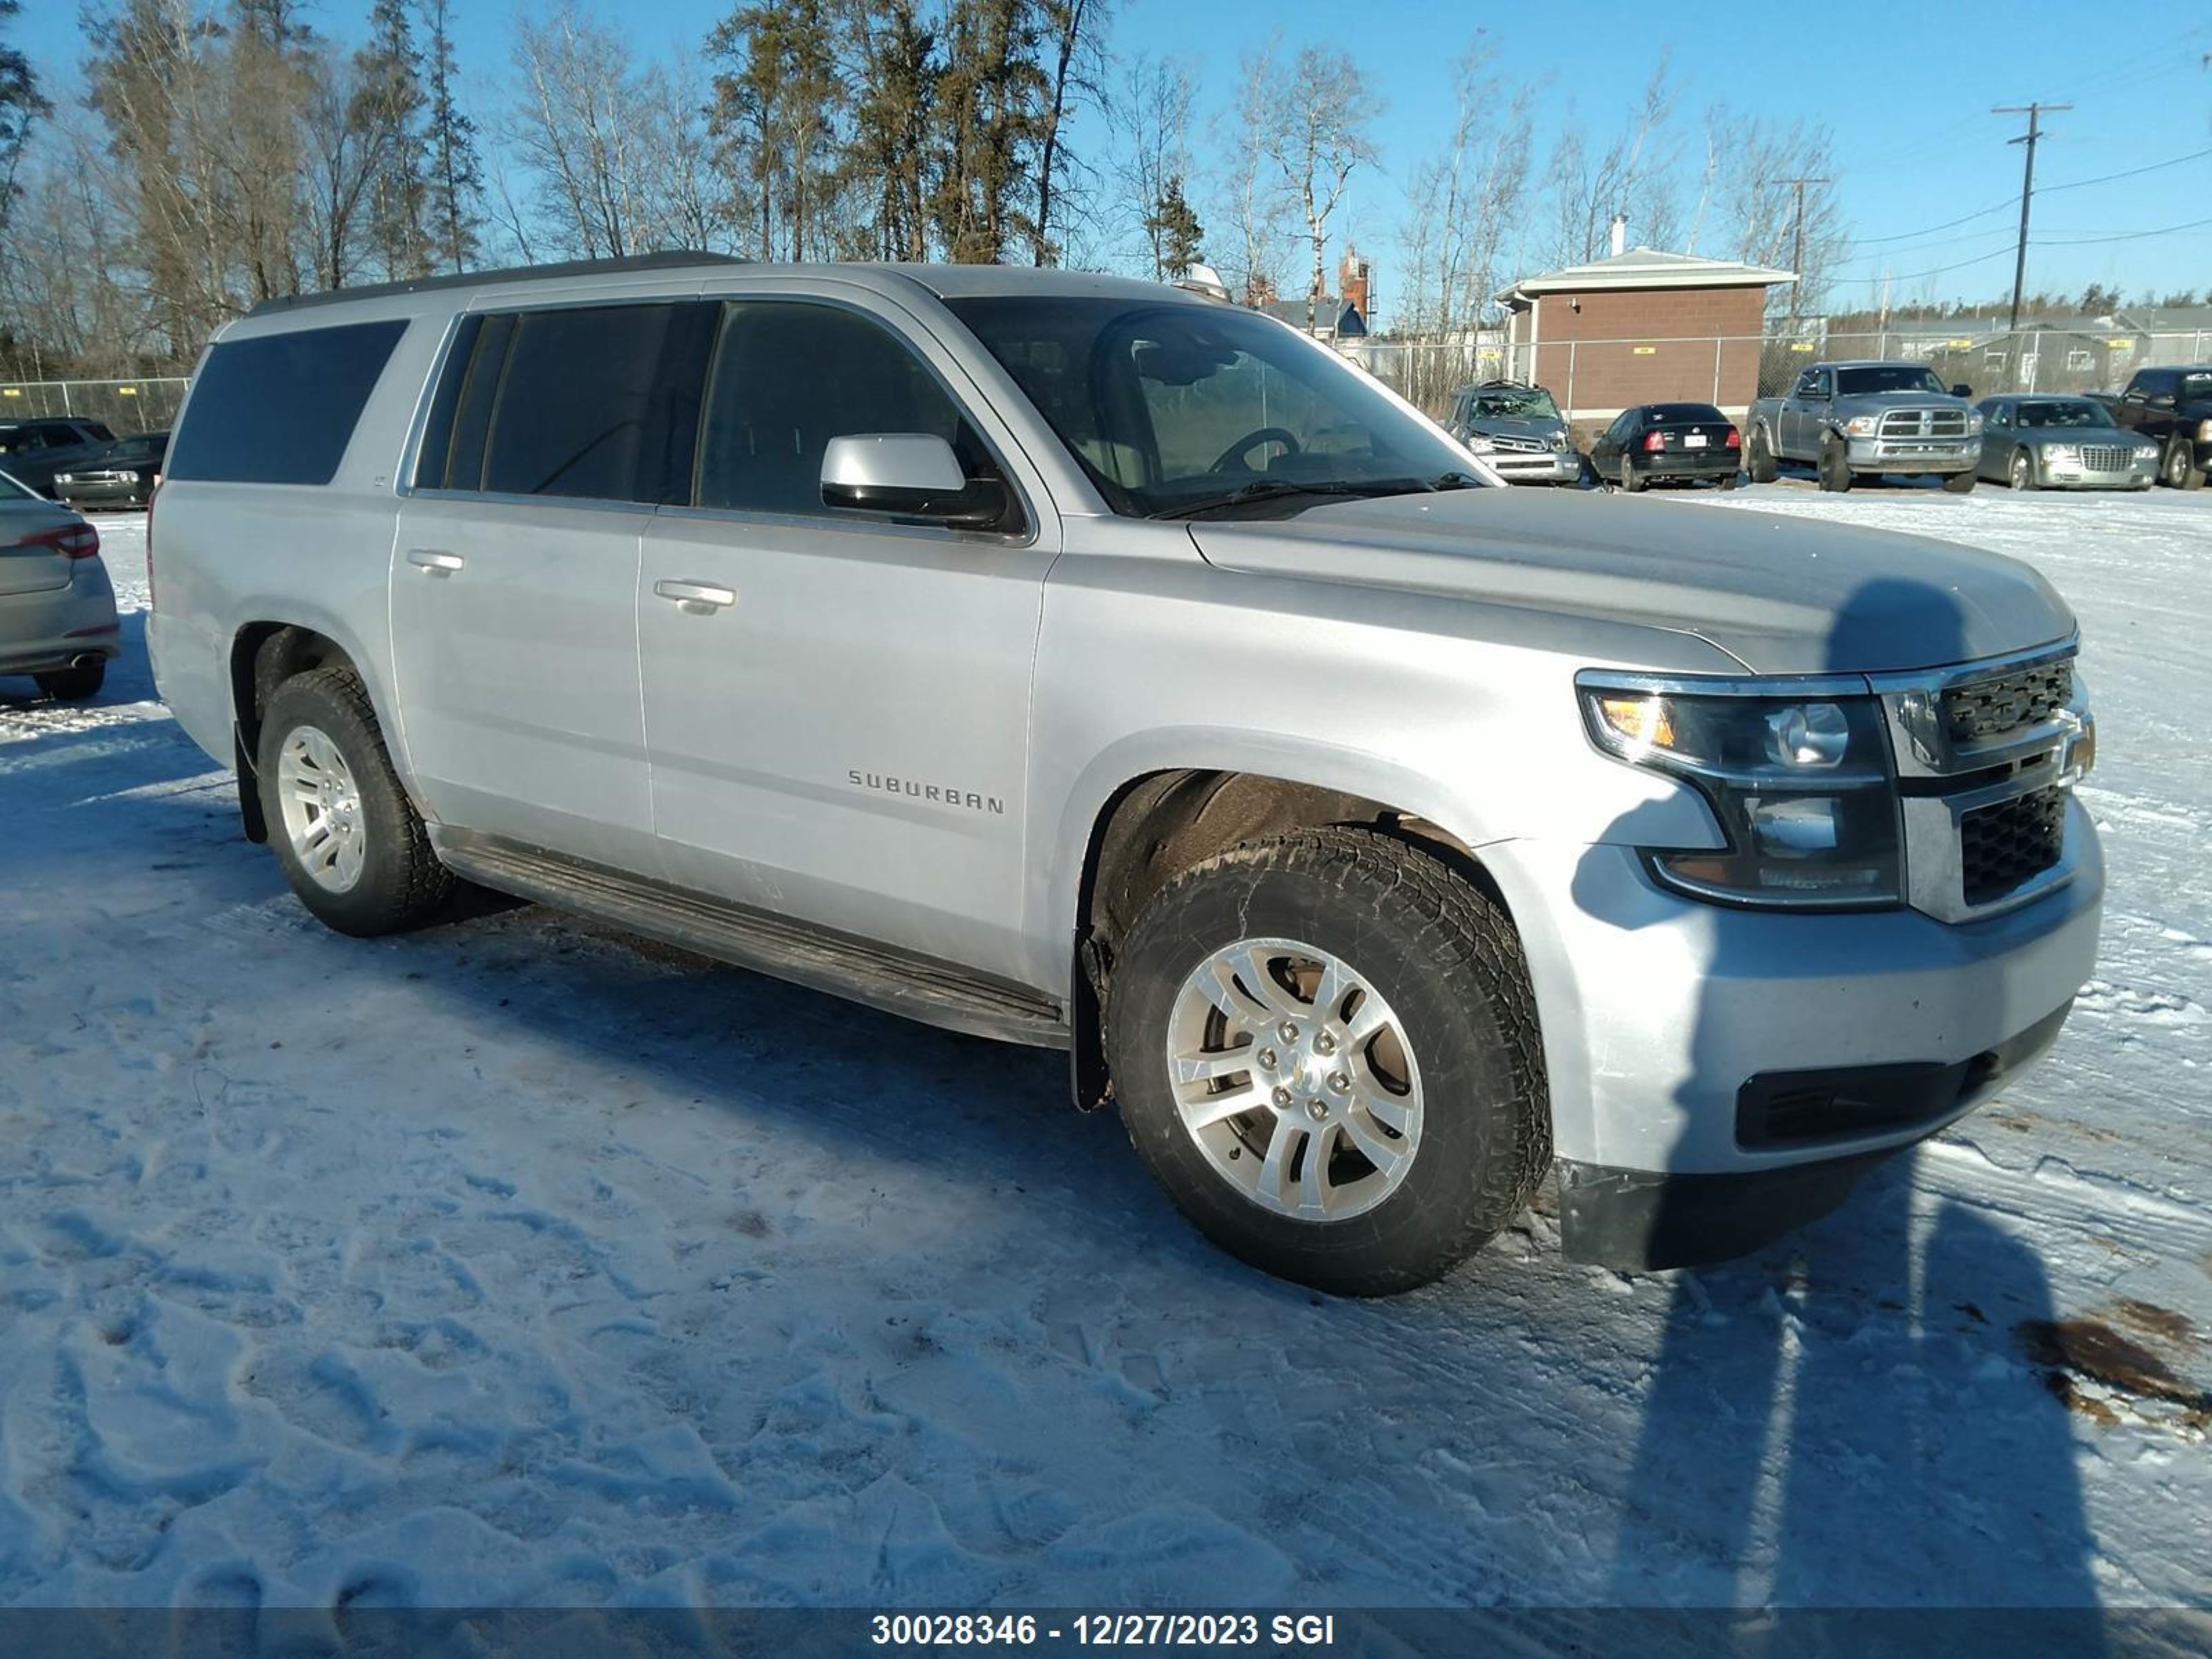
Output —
<point x="1908" y="103"/>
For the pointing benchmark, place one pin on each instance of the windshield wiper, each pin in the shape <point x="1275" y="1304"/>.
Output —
<point x="1270" y="490"/>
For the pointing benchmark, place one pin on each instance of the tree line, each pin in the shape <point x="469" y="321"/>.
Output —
<point x="226" y="151"/>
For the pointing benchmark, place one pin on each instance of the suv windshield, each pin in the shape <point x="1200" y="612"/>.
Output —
<point x="1171" y="408"/>
<point x="2063" y="411"/>
<point x="1520" y="403"/>
<point x="1887" y="377"/>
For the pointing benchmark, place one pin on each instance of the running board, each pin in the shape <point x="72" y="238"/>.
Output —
<point x="919" y="987"/>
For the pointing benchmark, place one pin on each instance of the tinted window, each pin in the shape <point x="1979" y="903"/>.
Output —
<point x="281" y="408"/>
<point x="790" y="377"/>
<point x="19" y="439"/>
<point x="1685" y="414"/>
<point x="597" y="402"/>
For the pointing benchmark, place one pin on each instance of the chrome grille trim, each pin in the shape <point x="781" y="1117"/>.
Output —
<point x="2106" y="458"/>
<point x="1998" y="717"/>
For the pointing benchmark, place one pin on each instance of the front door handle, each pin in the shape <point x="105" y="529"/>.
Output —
<point x="706" y="595"/>
<point x="436" y="561"/>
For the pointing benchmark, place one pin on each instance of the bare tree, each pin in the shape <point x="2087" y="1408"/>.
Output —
<point x="1073" y="32"/>
<point x="1633" y="175"/>
<point x="1312" y="119"/>
<point x="346" y="141"/>
<point x="1759" y="204"/>
<point x="1152" y="165"/>
<point x="618" y="156"/>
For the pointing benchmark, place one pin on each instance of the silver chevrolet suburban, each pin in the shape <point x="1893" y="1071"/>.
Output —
<point x="1077" y="662"/>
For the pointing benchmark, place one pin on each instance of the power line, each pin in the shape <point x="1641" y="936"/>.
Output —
<point x="2048" y="190"/>
<point x="2034" y="113"/>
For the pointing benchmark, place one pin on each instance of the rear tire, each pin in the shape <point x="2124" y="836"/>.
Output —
<point x="1835" y="468"/>
<point x="2179" y="468"/>
<point x="1729" y="480"/>
<point x="350" y="844"/>
<point x="73" y="684"/>
<point x="1630" y="483"/>
<point x="1764" y="468"/>
<point x="1459" y="1096"/>
<point x="1961" y="483"/>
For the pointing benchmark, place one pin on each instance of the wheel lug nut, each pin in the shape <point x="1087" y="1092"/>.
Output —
<point x="1288" y="1032"/>
<point x="1339" y="1081"/>
<point x="1266" y="1060"/>
<point x="1324" y="1043"/>
<point x="1317" y="1110"/>
<point x="1282" y="1096"/>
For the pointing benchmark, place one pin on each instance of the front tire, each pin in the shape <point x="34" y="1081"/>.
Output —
<point x="349" y="842"/>
<point x="1835" y="468"/>
<point x="1325" y="1048"/>
<point x="73" y="684"/>
<point x="1764" y="468"/>
<point x="2020" y="473"/>
<point x="1961" y="483"/>
<point x="2179" y="469"/>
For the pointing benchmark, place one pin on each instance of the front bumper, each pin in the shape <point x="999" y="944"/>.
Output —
<point x="102" y="492"/>
<point x="1535" y="466"/>
<point x="1658" y="1010"/>
<point x="1944" y="455"/>
<point x="44" y="631"/>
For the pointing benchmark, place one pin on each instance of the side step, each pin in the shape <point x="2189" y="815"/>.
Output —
<point x="919" y="987"/>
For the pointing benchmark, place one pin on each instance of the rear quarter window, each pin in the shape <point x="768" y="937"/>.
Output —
<point x="280" y="408"/>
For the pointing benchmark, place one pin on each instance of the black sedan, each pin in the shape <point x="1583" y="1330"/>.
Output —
<point x="121" y="475"/>
<point x="1669" y="443"/>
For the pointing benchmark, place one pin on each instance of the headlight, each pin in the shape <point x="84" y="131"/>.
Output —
<point x="2066" y="454"/>
<point x="1863" y="426"/>
<point x="1560" y="442"/>
<point x="2204" y="432"/>
<point x="1481" y="445"/>
<point x="1800" y="786"/>
<point x="2146" y="451"/>
<point x="1973" y="423"/>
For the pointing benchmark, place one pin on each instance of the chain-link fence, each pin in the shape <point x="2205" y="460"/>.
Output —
<point x="1593" y="380"/>
<point x="126" y="406"/>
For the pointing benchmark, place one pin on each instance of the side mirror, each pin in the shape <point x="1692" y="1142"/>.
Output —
<point x="909" y="474"/>
<point x="1962" y="390"/>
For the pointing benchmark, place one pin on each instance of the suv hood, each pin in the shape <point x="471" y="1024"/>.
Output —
<point x="1517" y="426"/>
<point x="1783" y="595"/>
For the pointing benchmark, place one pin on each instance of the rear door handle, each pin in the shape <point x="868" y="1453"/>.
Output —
<point x="436" y="561"/>
<point x="696" y="594"/>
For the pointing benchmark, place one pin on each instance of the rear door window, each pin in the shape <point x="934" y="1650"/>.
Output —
<point x="281" y="408"/>
<point x="596" y="403"/>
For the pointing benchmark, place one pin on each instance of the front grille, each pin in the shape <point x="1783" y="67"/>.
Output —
<point x="1923" y="423"/>
<point x="1985" y="709"/>
<point x="1521" y="446"/>
<point x="2002" y="846"/>
<point x="2105" y="457"/>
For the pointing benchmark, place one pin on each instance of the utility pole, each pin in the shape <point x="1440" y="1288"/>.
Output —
<point x="1797" y="240"/>
<point x="2034" y="113"/>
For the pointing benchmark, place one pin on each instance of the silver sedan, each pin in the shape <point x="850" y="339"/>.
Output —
<point x="58" y="619"/>
<point x="2036" y="441"/>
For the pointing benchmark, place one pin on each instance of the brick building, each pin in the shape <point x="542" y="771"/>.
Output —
<point x="1640" y="327"/>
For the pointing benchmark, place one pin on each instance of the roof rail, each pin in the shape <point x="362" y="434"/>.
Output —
<point x="669" y="260"/>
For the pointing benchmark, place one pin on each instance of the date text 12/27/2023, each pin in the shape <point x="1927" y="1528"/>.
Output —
<point x="1276" y="1631"/>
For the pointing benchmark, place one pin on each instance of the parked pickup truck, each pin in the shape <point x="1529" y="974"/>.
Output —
<point x="1859" y="419"/>
<point x="2172" y="407"/>
<point x="1083" y="663"/>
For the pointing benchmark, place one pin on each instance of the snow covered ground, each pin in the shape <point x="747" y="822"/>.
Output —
<point x="515" y="1262"/>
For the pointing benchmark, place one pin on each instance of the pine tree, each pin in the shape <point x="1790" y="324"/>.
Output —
<point x="1175" y="233"/>
<point x="389" y="107"/>
<point x="452" y="218"/>
<point x="20" y="103"/>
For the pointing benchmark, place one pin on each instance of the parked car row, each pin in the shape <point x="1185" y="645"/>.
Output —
<point x="1858" y="421"/>
<point x="82" y="462"/>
